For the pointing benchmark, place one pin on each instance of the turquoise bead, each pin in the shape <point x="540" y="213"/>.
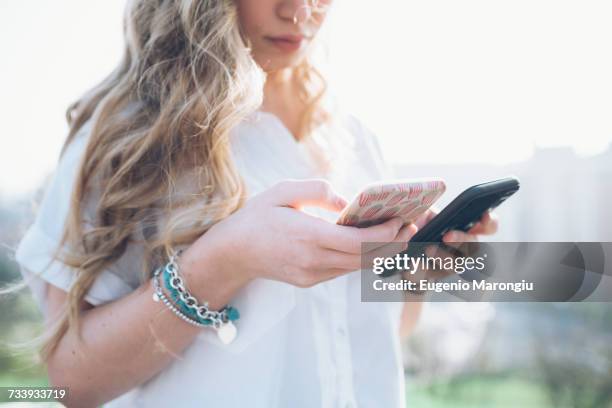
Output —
<point x="232" y="314"/>
<point x="177" y="301"/>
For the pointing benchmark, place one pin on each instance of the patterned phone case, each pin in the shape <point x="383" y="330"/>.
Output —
<point x="377" y="203"/>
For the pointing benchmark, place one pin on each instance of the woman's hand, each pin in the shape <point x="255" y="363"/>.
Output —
<point x="487" y="225"/>
<point x="270" y="237"/>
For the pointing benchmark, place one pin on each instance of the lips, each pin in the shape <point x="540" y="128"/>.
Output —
<point x="287" y="43"/>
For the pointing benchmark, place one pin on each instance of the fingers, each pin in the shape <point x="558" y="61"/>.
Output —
<point x="456" y="239"/>
<point x="406" y="233"/>
<point x="426" y="217"/>
<point x="456" y="236"/>
<point x="436" y="251"/>
<point x="301" y="193"/>
<point x="353" y="261"/>
<point x="487" y="225"/>
<point x="349" y="239"/>
<point x="341" y="260"/>
<point x="336" y="263"/>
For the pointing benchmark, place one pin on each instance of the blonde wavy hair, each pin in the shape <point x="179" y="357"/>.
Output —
<point x="185" y="80"/>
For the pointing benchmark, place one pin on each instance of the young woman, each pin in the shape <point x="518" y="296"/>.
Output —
<point x="210" y="139"/>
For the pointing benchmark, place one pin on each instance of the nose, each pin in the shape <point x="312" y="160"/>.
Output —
<point x="295" y="11"/>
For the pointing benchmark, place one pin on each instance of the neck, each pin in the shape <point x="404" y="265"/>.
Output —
<point x="279" y="77"/>
<point x="281" y="98"/>
<point x="279" y="90"/>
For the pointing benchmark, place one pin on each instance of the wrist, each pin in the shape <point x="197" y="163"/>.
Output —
<point x="208" y="279"/>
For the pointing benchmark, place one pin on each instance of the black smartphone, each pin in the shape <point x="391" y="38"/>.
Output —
<point x="467" y="209"/>
<point x="461" y="214"/>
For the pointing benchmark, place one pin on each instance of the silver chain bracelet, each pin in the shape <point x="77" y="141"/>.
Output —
<point x="159" y="295"/>
<point x="221" y="320"/>
<point x="191" y="302"/>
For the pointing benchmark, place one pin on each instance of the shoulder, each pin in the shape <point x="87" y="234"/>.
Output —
<point x="68" y="163"/>
<point x="58" y="189"/>
<point x="75" y="149"/>
<point x="37" y="251"/>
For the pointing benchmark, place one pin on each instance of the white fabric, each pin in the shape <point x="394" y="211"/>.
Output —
<point x="296" y="347"/>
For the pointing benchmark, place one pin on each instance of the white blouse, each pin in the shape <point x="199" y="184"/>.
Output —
<point x="296" y="347"/>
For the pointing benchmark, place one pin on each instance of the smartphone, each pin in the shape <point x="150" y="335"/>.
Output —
<point x="379" y="202"/>
<point x="467" y="209"/>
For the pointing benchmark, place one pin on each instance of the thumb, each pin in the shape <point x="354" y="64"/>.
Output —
<point x="305" y="193"/>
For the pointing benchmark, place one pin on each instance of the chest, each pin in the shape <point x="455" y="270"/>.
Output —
<point x="266" y="152"/>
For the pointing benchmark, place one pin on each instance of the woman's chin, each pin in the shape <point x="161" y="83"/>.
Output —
<point x="277" y="63"/>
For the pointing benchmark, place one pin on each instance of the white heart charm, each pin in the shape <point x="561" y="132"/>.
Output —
<point x="227" y="333"/>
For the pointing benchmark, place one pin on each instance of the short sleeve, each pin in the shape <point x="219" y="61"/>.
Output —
<point x="35" y="252"/>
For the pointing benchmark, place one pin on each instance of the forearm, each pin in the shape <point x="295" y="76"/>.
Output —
<point x="125" y="343"/>
<point x="410" y="314"/>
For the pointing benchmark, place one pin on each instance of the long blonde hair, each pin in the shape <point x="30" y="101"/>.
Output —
<point x="185" y="80"/>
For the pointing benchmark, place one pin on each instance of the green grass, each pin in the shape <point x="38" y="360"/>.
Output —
<point x="463" y="392"/>
<point x="12" y="380"/>
<point x="478" y="392"/>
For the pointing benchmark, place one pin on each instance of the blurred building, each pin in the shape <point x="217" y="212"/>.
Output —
<point x="563" y="197"/>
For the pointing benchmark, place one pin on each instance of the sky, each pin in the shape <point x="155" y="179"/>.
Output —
<point x="438" y="81"/>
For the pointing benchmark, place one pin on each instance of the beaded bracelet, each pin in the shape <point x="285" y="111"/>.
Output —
<point x="159" y="295"/>
<point x="183" y="304"/>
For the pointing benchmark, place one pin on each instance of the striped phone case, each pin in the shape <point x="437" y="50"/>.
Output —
<point x="379" y="202"/>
